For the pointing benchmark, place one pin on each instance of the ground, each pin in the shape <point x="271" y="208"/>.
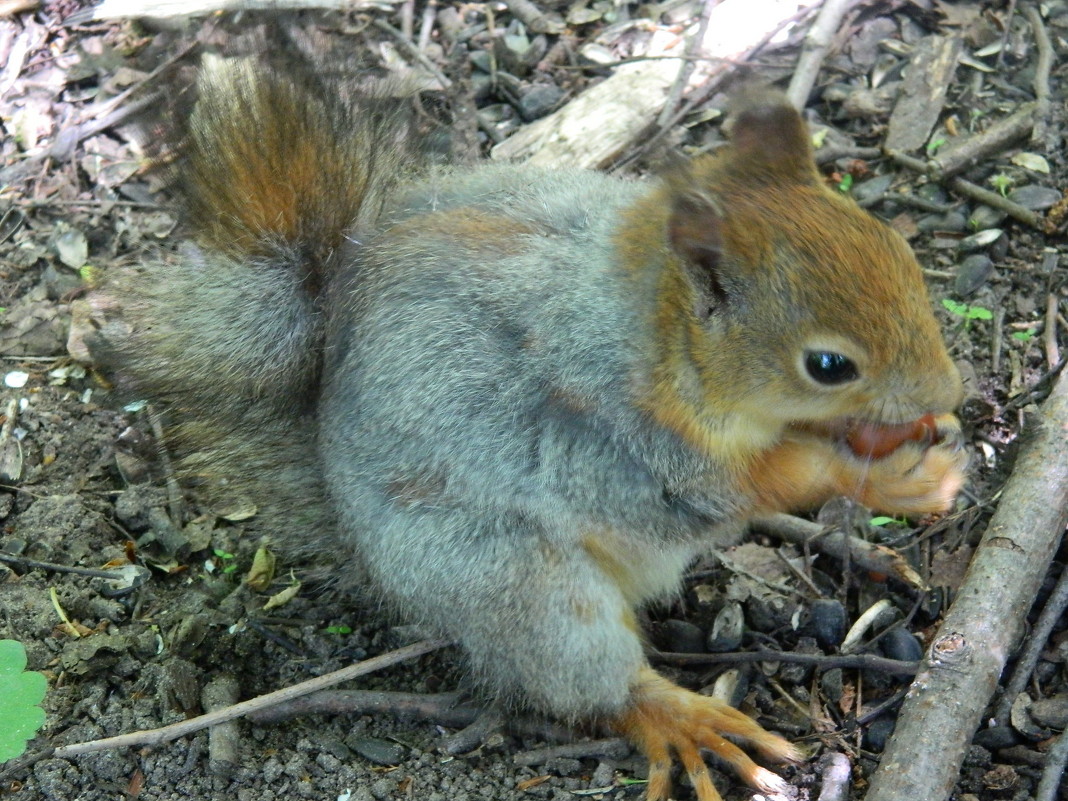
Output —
<point x="84" y="486"/>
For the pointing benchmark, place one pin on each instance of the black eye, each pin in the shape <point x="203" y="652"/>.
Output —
<point x="827" y="367"/>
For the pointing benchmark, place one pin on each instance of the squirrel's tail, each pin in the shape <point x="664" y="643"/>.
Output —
<point x="274" y="167"/>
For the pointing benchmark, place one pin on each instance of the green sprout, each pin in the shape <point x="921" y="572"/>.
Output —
<point x="846" y="183"/>
<point x="338" y="630"/>
<point x="932" y="148"/>
<point x="882" y="520"/>
<point x="21" y="692"/>
<point x="1024" y="336"/>
<point x="227" y="558"/>
<point x="966" y="312"/>
<point x="1001" y="182"/>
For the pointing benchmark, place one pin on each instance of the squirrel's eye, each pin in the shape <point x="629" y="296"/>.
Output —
<point x="828" y="367"/>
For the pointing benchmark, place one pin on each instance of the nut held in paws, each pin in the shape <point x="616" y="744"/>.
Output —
<point x="874" y="441"/>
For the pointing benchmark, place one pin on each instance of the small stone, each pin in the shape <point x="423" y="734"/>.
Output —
<point x="1051" y="712"/>
<point x="899" y="643"/>
<point x="728" y="628"/>
<point x="986" y="217"/>
<point x="831" y="684"/>
<point x="877" y="733"/>
<point x="378" y="751"/>
<point x="684" y="637"/>
<point x="828" y="622"/>
<point x="1035" y="197"/>
<point x="973" y="273"/>
<point x="996" y="737"/>
<point x="539" y="100"/>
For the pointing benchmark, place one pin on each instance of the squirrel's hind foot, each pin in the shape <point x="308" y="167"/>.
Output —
<point x="666" y="718"/>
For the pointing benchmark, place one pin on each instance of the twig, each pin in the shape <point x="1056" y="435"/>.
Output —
<point x="841" y="545"/>
<point x="693" y="47"/>
<point x="534" y="18"/>
<point x="958" y="157"/>
<point x="997" y="201"/>
<point x="997" y="329"/>
<point x="1040" y="82"/>
<point x="817" y="43"/>
<point x="12" y="559"/>
<point x="1056" y="760"/>
<point x="415" y="52"/>
<point x="426" y="29"/>
<point x="614" y="748"/>
<point x="970" y="190"/>
<point x="444" y="709"/>
<point x="961" y="669"/>
<point x="1025" y="665"/>
<point x="706" y="90"/>
<point x="1049" y="336"/>
<point x="836" y="775"/>
<point x="894" y="667"/>
<point x="165" y="734"/>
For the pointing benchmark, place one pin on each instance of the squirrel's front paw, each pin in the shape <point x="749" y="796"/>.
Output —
<point x="918" y="477"/>
<point x="665" y="718"/>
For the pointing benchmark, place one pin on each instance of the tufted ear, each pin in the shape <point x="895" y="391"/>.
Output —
<point x="695" y="232"/>
<point x="768" y="136"/>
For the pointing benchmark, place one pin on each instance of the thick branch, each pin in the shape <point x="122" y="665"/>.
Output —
<point x="961" y="670"/>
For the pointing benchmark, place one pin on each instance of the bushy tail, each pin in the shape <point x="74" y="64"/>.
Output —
<point x="274" y="167"/>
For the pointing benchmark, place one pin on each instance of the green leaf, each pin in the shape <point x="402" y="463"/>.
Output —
<point x="979" y="313"/>
<point x="955" y="307"/>
<point x="21" y="692"/>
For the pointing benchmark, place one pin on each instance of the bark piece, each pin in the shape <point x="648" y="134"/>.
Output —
<point x="934" y="62"/>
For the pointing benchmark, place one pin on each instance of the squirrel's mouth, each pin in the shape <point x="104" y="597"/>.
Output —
<point x="870" y="439"/>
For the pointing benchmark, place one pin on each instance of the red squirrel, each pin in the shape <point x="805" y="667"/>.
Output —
<point x="518" y="402"/>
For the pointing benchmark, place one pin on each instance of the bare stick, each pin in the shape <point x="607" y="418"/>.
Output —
<point x="1055" y="764"/>
<point x="836" y="775"/>
<point x="1042" y="69"/>
<point x="960" y="156"/>
<point x="817" y="43"/>
<point x="960" y="672"/>
<point x="894" y="667"/>
<point x="1049" y="336"/>
<point x="1025" y="665"/>
<point x="693" y="49"/>
<point x="838" y="544"/>
<point x="534" y="18"/>
<point x="165" y="734"/>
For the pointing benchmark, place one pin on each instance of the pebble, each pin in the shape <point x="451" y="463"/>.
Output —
<point x="381" y="752"/>
<point x="1051" y="712"/>
<point x="986" y="217"/>
<point x="899" y="643"/>
<point x="877" y="733"/>
<point x="684" y="637"/>
<point x="1035" y="197"/>
<point x="728" y="628"/>
<point x="973" y="273"/>
<point x="828" y="622"/>
<point x="996" y="737"/>
<point x="539" y="100"/>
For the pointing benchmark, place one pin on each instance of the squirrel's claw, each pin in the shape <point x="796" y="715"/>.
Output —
<point x="665" y="718"/>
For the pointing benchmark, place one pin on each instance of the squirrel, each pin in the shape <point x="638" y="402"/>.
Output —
<point x="518" y="401"/>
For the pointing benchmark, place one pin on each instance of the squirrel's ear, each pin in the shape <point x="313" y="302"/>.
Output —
<point x="695" y="232"/>
<point x="768" y="135"/>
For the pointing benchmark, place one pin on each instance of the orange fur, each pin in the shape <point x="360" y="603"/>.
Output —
<point x="665" y="718"/>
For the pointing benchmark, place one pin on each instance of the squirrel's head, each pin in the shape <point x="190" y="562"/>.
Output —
<point x="799" y="306"/>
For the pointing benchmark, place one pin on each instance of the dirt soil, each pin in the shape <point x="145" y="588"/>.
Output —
<point x="84" y="483"/>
